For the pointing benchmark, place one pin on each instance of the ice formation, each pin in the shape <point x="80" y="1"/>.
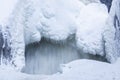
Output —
<point x="37" y="19"/>
<point x="45" y="34"/>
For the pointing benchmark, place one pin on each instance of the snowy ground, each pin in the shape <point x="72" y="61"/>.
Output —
<point x="76" y="70"/>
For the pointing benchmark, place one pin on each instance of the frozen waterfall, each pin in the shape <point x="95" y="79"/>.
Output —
<point x="47" y="57"/>
<point x="40" y="32"/>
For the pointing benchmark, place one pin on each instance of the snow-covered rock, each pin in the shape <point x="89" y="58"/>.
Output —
<point x="91" y="25"/>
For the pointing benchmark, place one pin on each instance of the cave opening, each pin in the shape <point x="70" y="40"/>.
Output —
<point x="46" y="57"/>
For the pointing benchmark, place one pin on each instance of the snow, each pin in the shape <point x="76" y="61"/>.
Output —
<point x="91" y="25"/>
<point x="57" y="21"/>
<point x="50" y="20"/>
<point x="32" y="20"/>
<point x="90" y="70"/>
<point x="76" y="70"/>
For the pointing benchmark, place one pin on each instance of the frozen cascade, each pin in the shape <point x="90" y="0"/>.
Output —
<point x="33" y="20"/>
<point x="47" y="57"/>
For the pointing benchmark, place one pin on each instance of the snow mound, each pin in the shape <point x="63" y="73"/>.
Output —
<point x="91" y="25"/>
<point x="90" y="70"/>
<point x="76" y="70"/>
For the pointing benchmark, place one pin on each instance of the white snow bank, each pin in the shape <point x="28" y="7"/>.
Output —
<point x="90" y="70"/>
<point x="91" y="25"/>
<point x="76" y="70"/>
